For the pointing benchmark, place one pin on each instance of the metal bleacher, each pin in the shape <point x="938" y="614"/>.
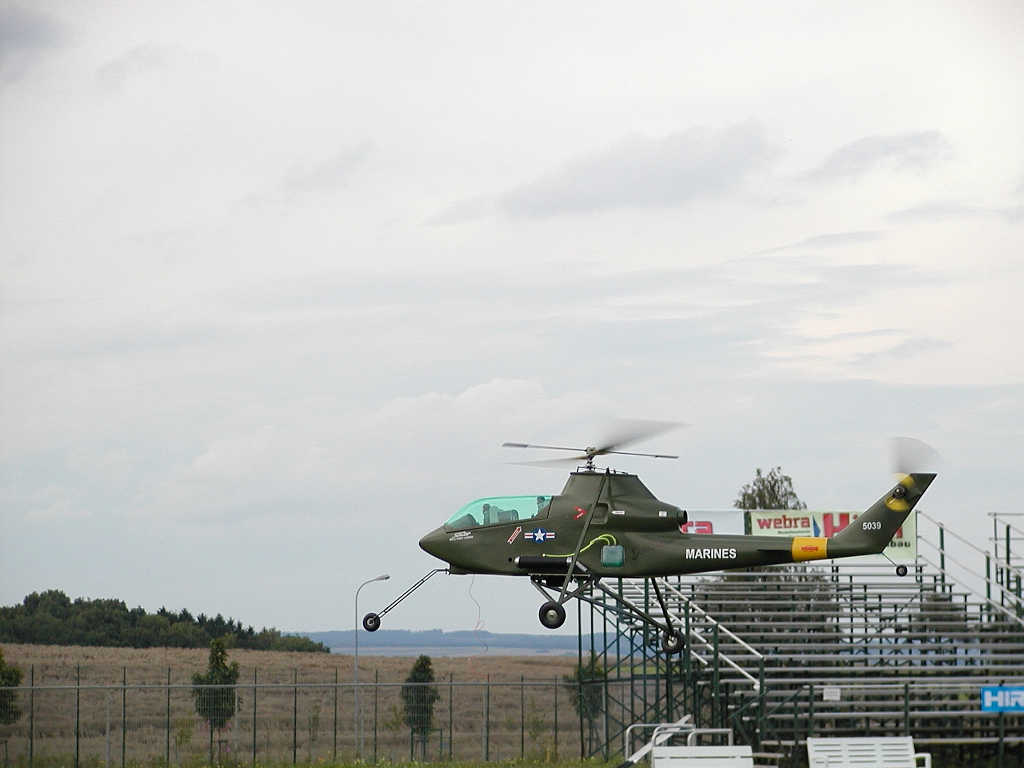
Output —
<point x="783" y="653"/>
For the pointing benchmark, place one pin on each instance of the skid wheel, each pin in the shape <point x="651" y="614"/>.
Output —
<point x="371" y="622"/>
<point x="551" y="615"/>
<point x="671" y="642"/>
<point x="901" y="570"/>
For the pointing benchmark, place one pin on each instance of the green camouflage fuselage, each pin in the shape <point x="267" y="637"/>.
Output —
<point x="628" y="532"/>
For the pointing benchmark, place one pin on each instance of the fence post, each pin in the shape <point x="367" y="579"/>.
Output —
<point x="254" y="717"/>
<point x="451" y="715"/>
<point x="487" y="720"/>
<point x="124" y="712"/>
<point x="295" y="714"/>
<point x="376" y="695"/>
<point x="31" y="715"/>
<point x="522" y="717"/>
<point x="334" y="754"/>
<point x="556" y="718"/>
<point x="78" y="708"/>
<point x="167" y="723"/>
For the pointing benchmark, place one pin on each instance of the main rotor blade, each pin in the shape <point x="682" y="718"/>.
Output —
<point x="560" y="463"/>
<point x="648" y="455"/>
<point x="627" y="432"/>
<point x="549" y="447"/>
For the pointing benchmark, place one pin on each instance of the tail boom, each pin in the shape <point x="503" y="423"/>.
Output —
<point x="871" y="532"/>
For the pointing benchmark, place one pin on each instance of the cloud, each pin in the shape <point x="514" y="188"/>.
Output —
<point x="309" y="179"/>
<point x="464" y="210"/>
<point x="948" y="210"/>
<point x="902" y="151"/>
<point x="140" y="60"/>
<point x="328" y="174"/>
<point x="904" y="350"/>
<point x="828" y="240"/>
<point x="24" y="33"/>
<point x="636" y="172"/>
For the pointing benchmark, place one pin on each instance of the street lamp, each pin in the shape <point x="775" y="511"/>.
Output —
<point x="355" y="678"/>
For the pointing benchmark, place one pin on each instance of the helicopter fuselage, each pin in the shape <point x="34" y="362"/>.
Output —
<point x="626" y="532"/>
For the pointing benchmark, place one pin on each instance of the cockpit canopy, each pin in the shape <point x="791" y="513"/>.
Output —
<point x="499" y="509"/>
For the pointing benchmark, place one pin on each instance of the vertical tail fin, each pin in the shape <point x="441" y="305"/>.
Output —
<point x="870" y="533"/>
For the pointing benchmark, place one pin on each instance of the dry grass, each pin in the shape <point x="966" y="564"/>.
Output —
<point x="56" y="664"/>
<point x="520" y="721"/>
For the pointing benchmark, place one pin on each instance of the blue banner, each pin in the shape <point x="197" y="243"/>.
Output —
<point x="1002" y="698"/>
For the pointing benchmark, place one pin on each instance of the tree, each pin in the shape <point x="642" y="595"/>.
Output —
<point x="771" y="491"/>
<point x="418" y="698"/>
<point x="216" y="705"/>
<point x="10" y="677"/>
<point x="586" y="688"/>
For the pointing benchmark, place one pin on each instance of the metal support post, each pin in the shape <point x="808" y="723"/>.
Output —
<point x="487" y="720"/>
<point x="942" y="556"/>
<point x="31" y="715"/>
<point x="78" y="707"/>
<point x="254" y="717"/>
<point x="376" y="704"/>
<point x="688" y="701"/>
<point x="167" y="722"/>
<point x="906" y="709"/>
<point x="295" y="715"/>
<point x="451" y="716"/>
<point x="556" y="719"/>
<point x="334" y="752"/>
<point x="605" y="706"/>
<point x="715" y="678"/>
<point x="810" y="709"/>
<point x="124" y="712"/>
<point x="760" y="702"/>
<point x="522" y="717"/>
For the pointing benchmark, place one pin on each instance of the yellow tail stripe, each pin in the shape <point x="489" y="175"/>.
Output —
<point x="809" y="548"/>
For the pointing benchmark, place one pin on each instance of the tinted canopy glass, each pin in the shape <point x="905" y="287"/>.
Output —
<point x="499" y="509"/>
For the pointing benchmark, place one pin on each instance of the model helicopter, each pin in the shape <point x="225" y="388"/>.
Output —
<point x="607" y="524"/>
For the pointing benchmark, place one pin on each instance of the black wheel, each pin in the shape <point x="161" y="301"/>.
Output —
<point x="552" y="615"/>
<point x="901" y="570"/>
<point x="671" y="642"/>
<point x="371" y="622"/>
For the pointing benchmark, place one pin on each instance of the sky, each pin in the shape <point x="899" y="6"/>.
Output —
<point x="277" y="280"/>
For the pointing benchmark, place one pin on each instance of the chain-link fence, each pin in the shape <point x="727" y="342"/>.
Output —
<point x="286" y="719"/>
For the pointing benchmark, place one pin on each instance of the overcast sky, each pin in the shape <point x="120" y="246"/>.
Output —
<point x="276" y="280"/>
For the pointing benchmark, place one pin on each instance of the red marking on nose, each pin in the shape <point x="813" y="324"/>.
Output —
<point x="580" y="512"/>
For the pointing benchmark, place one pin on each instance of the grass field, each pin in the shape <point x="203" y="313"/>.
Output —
<point x="314" y="721"/>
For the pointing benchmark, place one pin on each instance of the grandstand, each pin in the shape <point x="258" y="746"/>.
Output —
<point x="782" y="653"/>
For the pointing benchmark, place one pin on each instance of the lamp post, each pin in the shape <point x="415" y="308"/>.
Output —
<point x="355" y="675"/>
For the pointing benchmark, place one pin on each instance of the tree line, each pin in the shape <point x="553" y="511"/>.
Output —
<point x="53" y="618"/>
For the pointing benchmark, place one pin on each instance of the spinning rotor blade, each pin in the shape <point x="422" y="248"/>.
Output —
<point x="548" y="447"/>
<point x="627" y="432"/>
<point x="553" y="463"/>
<point x="648" y="455"/>
<point x="909" y="454"/>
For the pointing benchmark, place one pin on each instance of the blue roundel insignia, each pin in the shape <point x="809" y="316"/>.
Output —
<point x="540" y="535"/>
